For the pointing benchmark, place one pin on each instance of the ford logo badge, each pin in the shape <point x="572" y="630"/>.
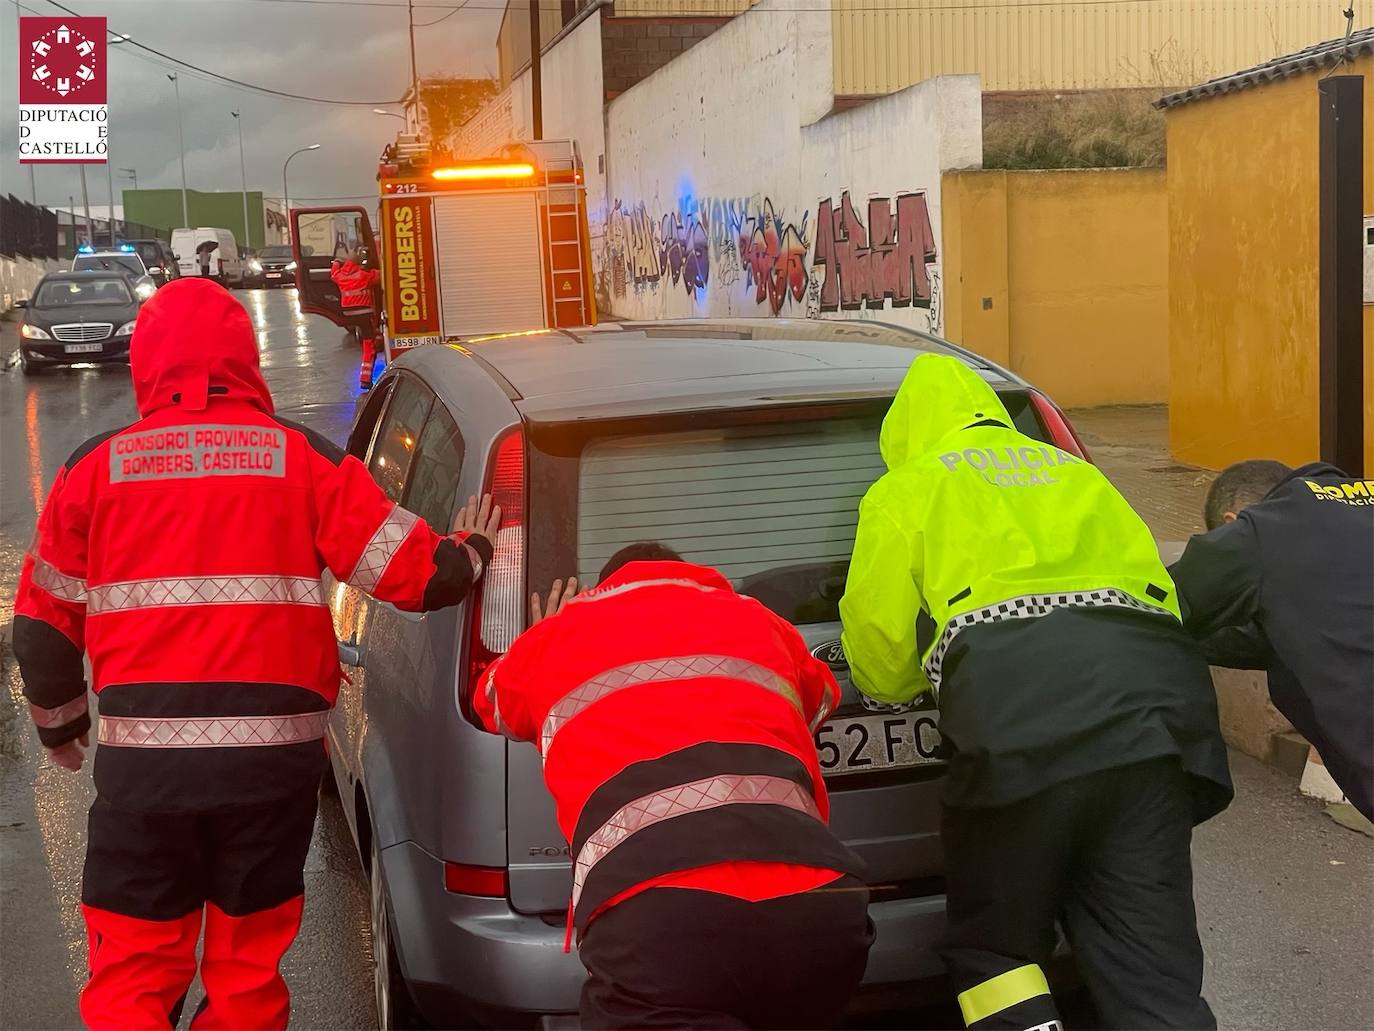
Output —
<point x="831" y="654"/>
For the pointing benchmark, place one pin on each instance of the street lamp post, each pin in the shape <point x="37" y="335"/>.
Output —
<point x="123" y="37"/>
<point x="181" y="144"/>
<point x="132" y="173"/>
<point x="243" y="173"/>
<point x="285" y="190"/>
<point x="389" y="114"/>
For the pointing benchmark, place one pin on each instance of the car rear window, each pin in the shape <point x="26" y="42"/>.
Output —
<point x="60" y="293"/>
<point x="774" y="508"/>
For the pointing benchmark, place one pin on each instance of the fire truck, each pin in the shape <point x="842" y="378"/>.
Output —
<point x="467" y="248"/>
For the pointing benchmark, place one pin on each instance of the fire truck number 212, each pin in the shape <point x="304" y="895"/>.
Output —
<point x="468" y="248"/>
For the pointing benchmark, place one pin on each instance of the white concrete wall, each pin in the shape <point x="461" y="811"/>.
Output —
<point x="727" y="178"/>
<point x="18" y="277"/>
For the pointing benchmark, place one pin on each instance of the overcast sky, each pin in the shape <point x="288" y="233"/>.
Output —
<point x="339" y="50"/>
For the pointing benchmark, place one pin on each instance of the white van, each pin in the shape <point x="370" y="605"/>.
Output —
<point x="225" y="264"/>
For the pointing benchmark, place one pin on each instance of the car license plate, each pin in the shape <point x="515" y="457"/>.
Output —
<point x="863" y="744"/>
<point x="273" y="275"/>
<point x="82" y="348"/>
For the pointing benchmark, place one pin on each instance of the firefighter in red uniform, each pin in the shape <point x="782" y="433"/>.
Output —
<point x="184" y="555"/>
<point x="675" y="721"/>
<point x="356" y="296"/>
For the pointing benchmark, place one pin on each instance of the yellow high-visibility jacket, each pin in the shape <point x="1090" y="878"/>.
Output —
<point x="974" y="523"/>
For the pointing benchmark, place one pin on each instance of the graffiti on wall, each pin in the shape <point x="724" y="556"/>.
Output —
<point x="750" y="251"/>
<point x="885" y="262"/>
<point x="773" y="252"/>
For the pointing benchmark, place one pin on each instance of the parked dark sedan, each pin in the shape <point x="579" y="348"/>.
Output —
<point x="77" y="317"/>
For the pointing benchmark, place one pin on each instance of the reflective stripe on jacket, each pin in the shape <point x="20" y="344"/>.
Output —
<point x="674" y="720"/>
<point x="975" y="523"/>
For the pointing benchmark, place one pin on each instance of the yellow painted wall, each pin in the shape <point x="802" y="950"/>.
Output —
<point x="884" y="45"/>
<point x="1243" y="273"/>
<point x="1062" y="276"/>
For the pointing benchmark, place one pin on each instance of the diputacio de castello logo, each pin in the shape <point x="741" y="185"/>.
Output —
<point x="63" y="115"/>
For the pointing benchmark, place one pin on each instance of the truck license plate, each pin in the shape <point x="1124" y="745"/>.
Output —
<point x="863" y="744"/>
<point x="83" y="348"/>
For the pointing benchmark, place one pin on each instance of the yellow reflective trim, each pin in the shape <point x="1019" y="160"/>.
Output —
<point x="1001" y="992"/>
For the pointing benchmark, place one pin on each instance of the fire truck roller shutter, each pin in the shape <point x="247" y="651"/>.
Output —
<point x="491" y="277"/>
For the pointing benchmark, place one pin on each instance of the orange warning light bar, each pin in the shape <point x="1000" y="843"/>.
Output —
<point x="470" y="172"/>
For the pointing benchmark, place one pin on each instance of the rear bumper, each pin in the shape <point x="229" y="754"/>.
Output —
<point x="476" y="958"/>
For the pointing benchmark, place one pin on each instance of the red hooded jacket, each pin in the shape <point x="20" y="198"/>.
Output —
<point x="184" y="555"/>
<point x="355" y="285"/>
<point x="674" y="718"/>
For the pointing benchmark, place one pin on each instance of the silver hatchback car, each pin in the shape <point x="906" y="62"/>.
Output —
<point x="745" y="445"/>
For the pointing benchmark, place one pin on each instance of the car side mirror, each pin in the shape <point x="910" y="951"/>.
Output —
<point x="21" y="303"/>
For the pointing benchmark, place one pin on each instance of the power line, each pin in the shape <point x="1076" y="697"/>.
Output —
<point x="442" y="17"/>
<point x="236" y="82"/>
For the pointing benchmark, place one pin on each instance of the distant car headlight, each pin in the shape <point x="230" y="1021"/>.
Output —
<point x="290" y="266"/>
<point x="126" y="330"/>
<point x="33" y="332"/>
<point x="145" y="290"/>
<point x="254" y="265"/>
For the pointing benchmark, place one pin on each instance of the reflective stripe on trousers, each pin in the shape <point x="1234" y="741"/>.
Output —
<point x="698" y="795"/>
<point x="212" y="732"/>
<point x="681" y="667"/>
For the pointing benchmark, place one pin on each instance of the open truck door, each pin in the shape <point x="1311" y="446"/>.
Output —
<point x="318" y="236"/>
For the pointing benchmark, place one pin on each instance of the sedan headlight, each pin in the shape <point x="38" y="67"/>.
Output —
<point x="254" y="265"/>
<point x="126" y="330"/>
<point x="144" y="290"/>
<point x="32" y="332"/>
<point x="290" y="266"/>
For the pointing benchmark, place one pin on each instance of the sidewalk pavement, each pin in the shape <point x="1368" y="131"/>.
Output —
<point x="1131" y="445"/>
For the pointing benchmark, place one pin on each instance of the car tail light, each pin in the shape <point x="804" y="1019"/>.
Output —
<point x="1061" y="432"/>
<point x="498" y="611"/>
<point x="487" y="881"/>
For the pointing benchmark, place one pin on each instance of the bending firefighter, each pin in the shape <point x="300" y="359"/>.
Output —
<point x="1011" y="578"/>
<point x="674" y="718"/>
<point x="357" y="296"/>
<point x="183" y="555"/>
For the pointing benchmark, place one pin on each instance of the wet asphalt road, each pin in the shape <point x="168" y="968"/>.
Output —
<point x="1285" y="896"/>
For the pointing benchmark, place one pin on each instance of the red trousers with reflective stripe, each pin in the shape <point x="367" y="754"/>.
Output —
<point x="152" y="879"/>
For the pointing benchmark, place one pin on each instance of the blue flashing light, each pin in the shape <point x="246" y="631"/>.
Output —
<point x="85" y="248"/>
<point x="126" y="248"/>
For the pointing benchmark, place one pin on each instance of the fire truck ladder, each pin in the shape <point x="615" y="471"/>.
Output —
<point x="563" y="229"/>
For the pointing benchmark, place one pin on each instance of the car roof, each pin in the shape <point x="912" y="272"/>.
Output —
<point x="634" y="368"/>
<point x="91" y="273"/>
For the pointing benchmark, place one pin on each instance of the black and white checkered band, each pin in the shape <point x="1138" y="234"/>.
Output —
<point x="1029" y="606"/>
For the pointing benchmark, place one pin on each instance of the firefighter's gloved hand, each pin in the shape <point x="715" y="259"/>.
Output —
<point x="483" y="519"/>
<point x="559" y="596"/>
<point x="72" y="755"/>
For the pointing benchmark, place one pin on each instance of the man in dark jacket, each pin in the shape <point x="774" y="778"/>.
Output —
<point x="184" y="555"/>
<point x="1288" y="568"/>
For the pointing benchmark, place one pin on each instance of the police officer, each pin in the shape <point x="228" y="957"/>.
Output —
<point x="674" y="718"/>
<point x="1010" y="577"/>
<point x="1289" y="560"/>
<point x="183" y="555"/>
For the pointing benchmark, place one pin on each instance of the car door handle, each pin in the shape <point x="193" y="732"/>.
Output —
<point x="350" y="653"/>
